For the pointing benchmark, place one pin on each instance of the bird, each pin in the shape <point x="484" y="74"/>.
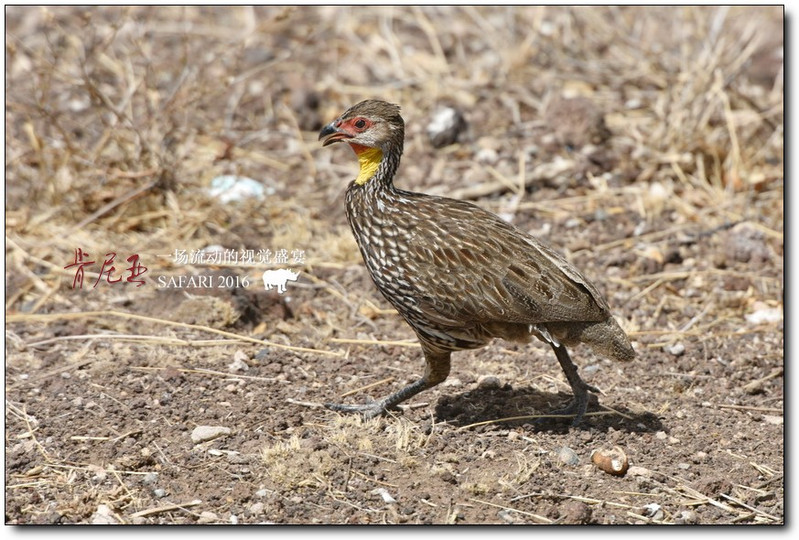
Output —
<point x="458" y="274"/>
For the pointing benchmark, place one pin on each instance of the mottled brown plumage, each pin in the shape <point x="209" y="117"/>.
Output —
<point x="459" y="275"/>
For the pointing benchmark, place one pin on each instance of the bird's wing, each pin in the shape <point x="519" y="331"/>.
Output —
<point x="472" y="266"/>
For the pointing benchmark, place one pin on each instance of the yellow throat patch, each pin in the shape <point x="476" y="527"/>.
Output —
<point x="369" y="159"/>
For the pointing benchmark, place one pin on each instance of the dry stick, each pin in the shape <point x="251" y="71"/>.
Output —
<point x="53" y="267"/>
<point x="542" y="172"/>
<point x="752" y="508"/>
<point x="750" y="408"/>
<point x="130" y="195"/>
<point x="86" y="469"/>
<point x="167" y="508"/>
<point x="367" y="387"/>
<point x="166" y="322"/>
<point x="537" y="416"/>
<point x="540" y="519"/>
<point x="647" y="290"/>
<point x="208" y="372"/>
<point x="374" y="342"/>
<point x="752" y="386"/>
<point x="136" y="337"/>
<point x="309" y="404"/>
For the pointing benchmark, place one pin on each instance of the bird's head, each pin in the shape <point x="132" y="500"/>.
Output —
<point x="371" y="124"/>
<point x="373" y="128"/>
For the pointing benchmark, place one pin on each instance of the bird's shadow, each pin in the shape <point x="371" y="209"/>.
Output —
<point x="514" y="407"/>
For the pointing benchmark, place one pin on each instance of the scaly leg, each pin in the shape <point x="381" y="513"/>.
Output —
<point x="580" y="388"/>
<point x="436" y="370"/>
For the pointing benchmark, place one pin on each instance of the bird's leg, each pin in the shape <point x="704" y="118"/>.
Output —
<point x="436" y="370"/>
<point x="580" y="388"/>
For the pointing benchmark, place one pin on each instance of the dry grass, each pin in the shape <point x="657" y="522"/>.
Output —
<point x="117" y="120"/>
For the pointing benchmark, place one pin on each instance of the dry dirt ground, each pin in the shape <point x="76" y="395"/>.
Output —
<point x="646" y="144"/>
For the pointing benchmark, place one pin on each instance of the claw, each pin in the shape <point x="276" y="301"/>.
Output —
<point x="368" y="410"/>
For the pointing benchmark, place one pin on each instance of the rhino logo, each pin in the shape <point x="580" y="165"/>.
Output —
<point x="278" y="278"/>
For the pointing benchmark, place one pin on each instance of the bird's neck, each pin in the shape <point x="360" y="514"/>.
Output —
<point x="376" y="168"/>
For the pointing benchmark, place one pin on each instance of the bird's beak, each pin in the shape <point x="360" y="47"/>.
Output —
<point x="331" y="133"/>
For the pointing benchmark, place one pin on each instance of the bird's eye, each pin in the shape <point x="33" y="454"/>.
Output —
<point x="360" y="123"/>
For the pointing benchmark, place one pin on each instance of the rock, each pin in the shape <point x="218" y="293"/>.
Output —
<point x="150" y="478"/>
<point x="567" y="456"/>
<point x="575" y="513"/>
<point x="239" y="362"/>
<point x="445" y="126"/>
<point x="386" y="496"/>
<point x="488" y="382"/>
<point x="687" y="517"/>
<point x="654" y="511"/>
<point x="207" y="517"/>
<point x="256" y="509"/>
<point x="764" y="315"/>
<point x="207" y="433"/>
<point x="678" y="349"/>
<point x="103" y="516"/>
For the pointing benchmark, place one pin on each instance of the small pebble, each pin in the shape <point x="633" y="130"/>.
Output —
<point x="256" y="509"/>
<point x="567" y="456"/>
<point x="575" y="513"/>
<point x="445" y="126"/>
<point x="687" y="517"/>
<point x="654" y="511"/>
<point x="486" y="155"/>
<point x="678" y="349"/>
<point x="207" y="433"/>
<point x="239" y="362"/>
<point x="383" y="492"/>
<point x="488" y="382"/>
<point x="150" y="478"/>
<point x="103" y="516"/>
<point x="207" y="517"/>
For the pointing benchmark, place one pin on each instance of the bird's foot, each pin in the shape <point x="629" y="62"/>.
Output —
<point x="368" y="410"/>
<point x="579" y="404"/>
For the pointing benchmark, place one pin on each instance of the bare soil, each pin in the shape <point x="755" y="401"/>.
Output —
<point x="646" y="144"/>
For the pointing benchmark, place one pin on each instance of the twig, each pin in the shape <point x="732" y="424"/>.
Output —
<point x="208" y="372"/>
<point x="368" y="386"/>
<point x="540" y="519"/>
<point x="375" y="342"/>
<point x="167" y="508"/>
<point x="538" y="416"/>
<point x="750" y="408"/>
<point x="754" y="385"/>
<point x="752" y="508"/>
<point x="110" y="313"/>
<point x="311" y="404"/>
